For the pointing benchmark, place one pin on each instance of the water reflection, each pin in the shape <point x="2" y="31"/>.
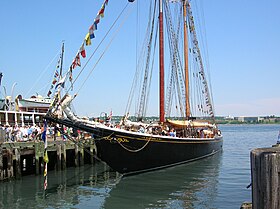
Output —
<point x="191" y="185"/>
<point x="65" y="188"/>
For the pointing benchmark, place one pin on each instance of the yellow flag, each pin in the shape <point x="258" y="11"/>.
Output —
<point x="46" y="158"/>
<point x="46" y="170"/>
<point x="87" y="39"/>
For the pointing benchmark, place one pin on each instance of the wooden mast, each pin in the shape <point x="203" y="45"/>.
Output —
<point x="61" y="60"/>
<point x="60" y="72"/>
<point x="188" y="112"/>
<point x="161" y="64"/>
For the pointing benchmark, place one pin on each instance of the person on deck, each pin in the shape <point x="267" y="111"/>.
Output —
<point x="172" y="133"/>
<point x="202" y="135"/>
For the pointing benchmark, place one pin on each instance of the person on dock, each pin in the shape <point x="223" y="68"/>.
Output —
<point x="278" y="140"/>
<point x="56" y="132"/>
<point x="8" y="131"/>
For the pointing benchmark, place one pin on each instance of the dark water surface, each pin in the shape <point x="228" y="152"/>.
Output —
<point x="216" y="182"/>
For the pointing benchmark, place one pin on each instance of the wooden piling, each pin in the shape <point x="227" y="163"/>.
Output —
<point x="76" y="155"/>
<point x="265" y="174"/>
<point x="58" y="159"/>
<point x="10" y="169"/>
<point x="37" y="160"/>
<point x="39" y="154"/>
<point x="92" y="151"/>
<point x="82" y="156"/>
<point x="1" y="163"/>
<point x="12" y="154"/>
<point x="63" y="156"/>
<point x="17" y="164"/>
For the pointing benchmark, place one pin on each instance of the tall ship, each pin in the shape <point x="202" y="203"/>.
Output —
<point x="137" y="144"/>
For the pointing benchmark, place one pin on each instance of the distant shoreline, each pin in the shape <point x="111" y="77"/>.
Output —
<point x="248" y="120"/>
<point x="224" y="120"/>
<point x="234" y="122"/>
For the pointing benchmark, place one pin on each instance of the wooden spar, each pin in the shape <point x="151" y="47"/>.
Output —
<point x="188" y="112"/>
<point x="186" y="57"/>
<point x="61" y="61"/>
<point x="60" y="73"/>
<point x="161" y="64"/>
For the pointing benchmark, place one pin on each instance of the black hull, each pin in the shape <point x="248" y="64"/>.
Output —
<point x="132" y="152"/>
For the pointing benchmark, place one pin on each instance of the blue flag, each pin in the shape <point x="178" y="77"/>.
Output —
<point x="44" y="133"/>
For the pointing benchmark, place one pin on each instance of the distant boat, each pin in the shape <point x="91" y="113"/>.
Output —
<point x="40" y="103"/>
<point x="23" y="112"/>
<point x="34" y="103"/>
<point x="134" y="147"/>
<point x="11" y="115"/>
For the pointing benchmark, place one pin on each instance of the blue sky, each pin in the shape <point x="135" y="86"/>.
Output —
<point x="243" y="46"/>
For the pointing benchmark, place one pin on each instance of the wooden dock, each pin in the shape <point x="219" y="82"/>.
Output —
<point x="18" y="159"/>
<point x="265" y="177"/>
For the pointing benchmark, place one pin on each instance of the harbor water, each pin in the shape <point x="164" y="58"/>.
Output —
<point x="219" y="181"/>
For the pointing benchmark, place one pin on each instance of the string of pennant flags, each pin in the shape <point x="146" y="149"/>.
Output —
<point x="46" y="158"/>
<point x="87" y="40"/>
<point x="55" y="77"/>
<point x="57" y="82"/>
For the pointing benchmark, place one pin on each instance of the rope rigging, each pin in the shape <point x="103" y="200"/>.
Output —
<point x="198" y="58"/>
<point x="42" y="74"/>
<point x="200" y="102"/>
<point x="177" y="75"/>
<point x="114" y="23"/>
<point x="67" y="76"/>
<point x="136" y="150"/>
<point x="81" y="145"/>
<point x="148" y="68"/>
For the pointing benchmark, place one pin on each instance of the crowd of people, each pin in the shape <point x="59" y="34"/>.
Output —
<point x="32" y="132"/>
